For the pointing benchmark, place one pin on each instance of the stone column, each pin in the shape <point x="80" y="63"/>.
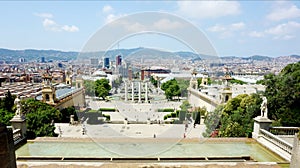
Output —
<point x="132" y="92"/>
<point x="146" y="92"/>
<point x="260" y="123"/>
<point x="140" y="90"/>
<point x="18" y="121"/>
<point x="126" y="92"/>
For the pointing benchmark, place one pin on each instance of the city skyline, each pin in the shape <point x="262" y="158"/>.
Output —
<point x="234" y="28"/>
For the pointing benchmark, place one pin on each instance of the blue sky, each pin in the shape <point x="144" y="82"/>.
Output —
<point x="240" y="28"/>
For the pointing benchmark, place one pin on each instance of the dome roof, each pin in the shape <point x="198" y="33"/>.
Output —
<point x="99" y="73"/>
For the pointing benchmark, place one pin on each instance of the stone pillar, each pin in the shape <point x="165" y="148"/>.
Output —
<point x="132" y="92"/>
<point x="295" y="161"/>
<point x="19" y="121"/>
<point x="140" y="90"/>
<point x="146" y="92"/>
<point x="260" y="123"/>
<point x="7" y="150"/>
<point x="126" y="92"/>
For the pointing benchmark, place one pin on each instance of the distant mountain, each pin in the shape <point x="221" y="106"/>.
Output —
<point x="30" y="54"/>
<point x="295" y="56"/>
<point x="135" y="53"/>
<point x="129" y="54"/>
<point x="229" y="57"/>
<point x="188" y="55"/>
<point x="258" y="58"/>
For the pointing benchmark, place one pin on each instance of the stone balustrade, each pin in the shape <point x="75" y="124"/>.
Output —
<point x="286" y="131"/>
<point x="280" y="143"/>
<point x="17" y="136"/>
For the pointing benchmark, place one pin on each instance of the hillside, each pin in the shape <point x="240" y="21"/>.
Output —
<point x="129" y="54"/>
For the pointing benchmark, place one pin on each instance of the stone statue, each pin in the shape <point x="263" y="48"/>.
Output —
<point x="18" y="104"/>
<point x="264" y="108"/>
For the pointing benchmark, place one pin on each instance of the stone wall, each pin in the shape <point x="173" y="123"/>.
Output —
<point x="295" y="161"/>
<point x="76" y="99"/>
<point x="7" y="151"/>
<point x="198" y="99"/>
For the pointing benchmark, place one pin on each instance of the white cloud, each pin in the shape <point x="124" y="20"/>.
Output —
<point x="135" y="27"/>
<point x="70" y="28"/>
<point x="208" y="9"/>
<point x="50" y="25"/>
<point x="256" y="34"/>
<point x="227" y="30"/>
<point x="217" y="28"/>
<point x="283" y="10"/>
<point x="107" y="9"/>
<point x="166" y="24"/>
<point x="49" y="22"/>
<point x="284" y="31"/>
<point x="44" y="15"/>
<point x="237" y="26"/>
<point x="111" y="17"/>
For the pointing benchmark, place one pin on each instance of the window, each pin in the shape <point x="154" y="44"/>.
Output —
<point x="47" y="97"/>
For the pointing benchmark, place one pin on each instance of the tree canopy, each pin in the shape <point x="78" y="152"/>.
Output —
<point x="237" y="81"/>
<point x="102" y="88"/>
<point x="235" y="119"/>
<point x="183" y="85"/>
<point x="89" y="87"/>
<point x="39" y="118"/>
<point x="6" y="108"/>
<point x="283" y="94"/>
<point x="153" y="81"/>
<point x="171" y="89"/>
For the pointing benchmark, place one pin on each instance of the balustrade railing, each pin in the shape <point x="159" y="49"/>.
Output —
<point x="286" y="131"/>
<point x="285" y="146"/>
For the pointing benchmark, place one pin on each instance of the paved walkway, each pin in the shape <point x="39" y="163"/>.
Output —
<point x="130" y="131"/>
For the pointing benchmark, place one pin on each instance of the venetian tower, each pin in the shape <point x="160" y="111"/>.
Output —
<point x="193" y="81"/>
<point x="48" y="91"/>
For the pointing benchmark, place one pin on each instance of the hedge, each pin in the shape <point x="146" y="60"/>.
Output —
<point x="166" y="110"/>
<point x="107" y="109"/>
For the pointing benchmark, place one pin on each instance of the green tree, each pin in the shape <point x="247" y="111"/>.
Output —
<point x="39" y="118"/>
<point x="8" y="101"/>
<point x="6" y="116"/>
<point x="235" y="119"/>
<point x="171" y="89"/>
<point x="185" y="105"/>
<point x="283" y="94"/>
<point x="153" y="81"/>
<point x="212" y="121"/>
<point x="183" y="85"/>
<point x="237" y="116"/>
<point x="66" y="113"/>
<point x="102" y="88"/>
<point x="89" y="87"/>
<point x="237" y="81"/>
<point x="6" y="108"/>
<point x="199" y="81"/>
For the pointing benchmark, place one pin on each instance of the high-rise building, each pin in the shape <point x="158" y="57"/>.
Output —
<point x="106" y="62"/>
<point x="42" y="59"/>
<point x="118" y="60"/>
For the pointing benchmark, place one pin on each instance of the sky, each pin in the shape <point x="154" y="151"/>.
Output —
<point x="234" y="28"/>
